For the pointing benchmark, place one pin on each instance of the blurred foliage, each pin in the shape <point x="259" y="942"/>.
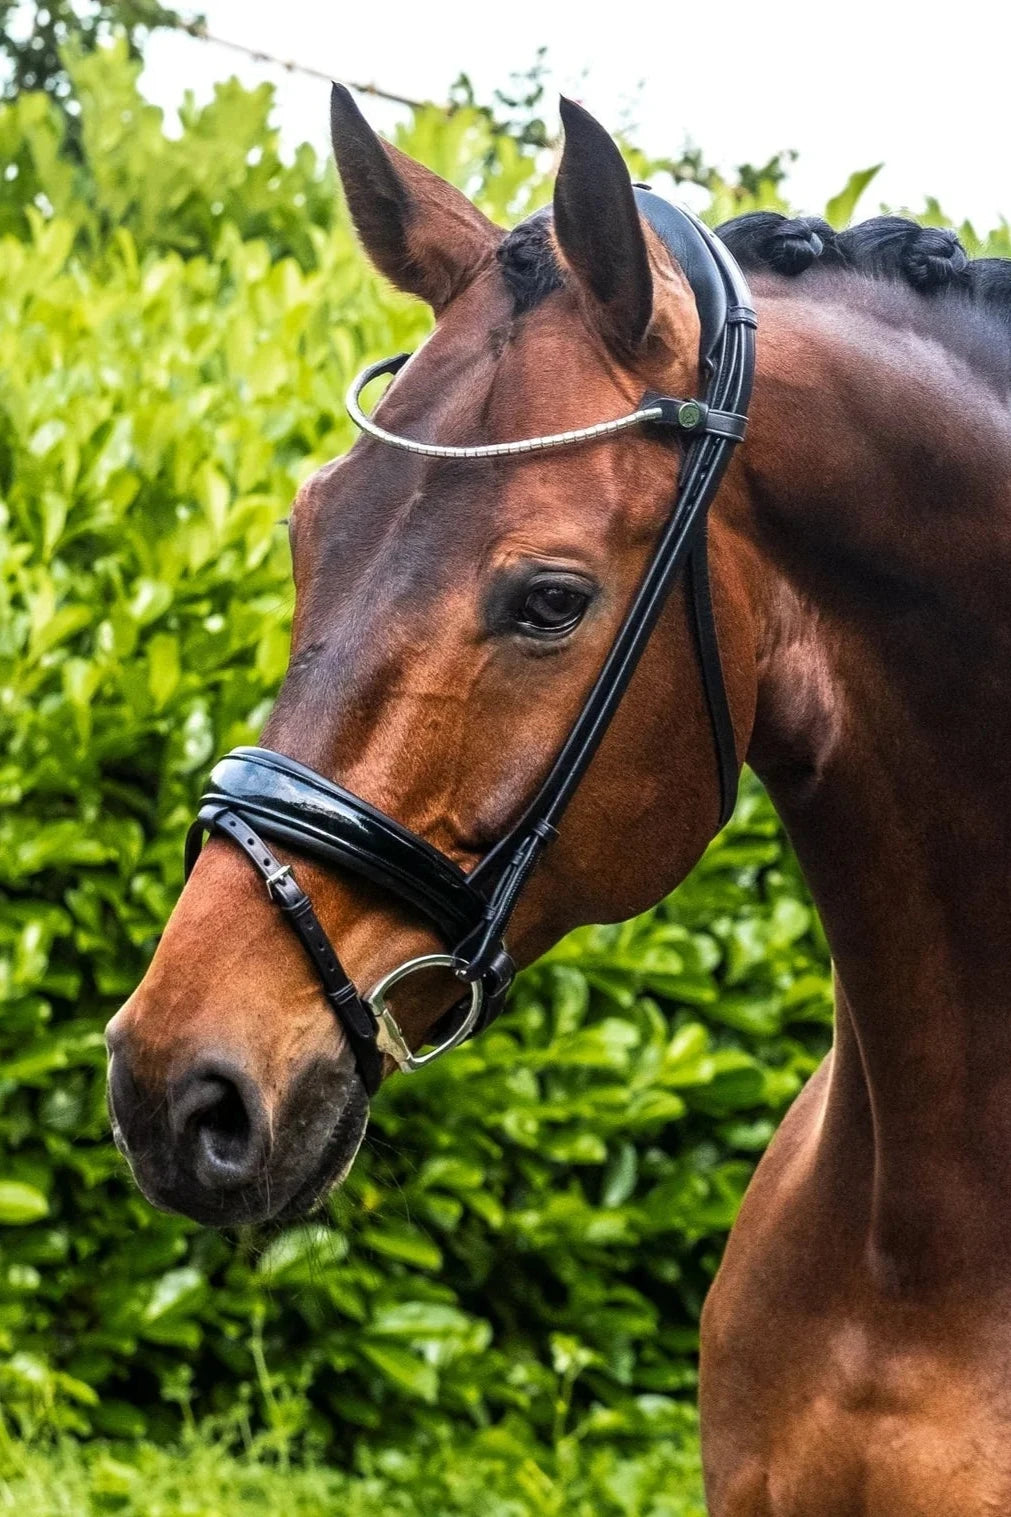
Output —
<point x="35" y="33"/>
<point x="498" y="1473"/>
<point x="526" y="1239"/>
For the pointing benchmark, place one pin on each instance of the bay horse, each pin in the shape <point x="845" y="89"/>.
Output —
<point x="449" y="620"/>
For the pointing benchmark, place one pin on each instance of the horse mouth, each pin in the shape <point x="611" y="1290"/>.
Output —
<point x="334" y="1164"/>
<point x="310" y="1152"/>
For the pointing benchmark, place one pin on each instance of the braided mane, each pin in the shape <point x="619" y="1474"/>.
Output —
<point x="916" y="275"/>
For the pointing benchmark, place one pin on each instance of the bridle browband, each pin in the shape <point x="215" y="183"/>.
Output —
<point x="254" y="793"/>
<point x="691" y="416"/>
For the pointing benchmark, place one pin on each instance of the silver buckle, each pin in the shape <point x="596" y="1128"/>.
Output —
<point x="283" y="873"/>
<point x="389" y="1037"/>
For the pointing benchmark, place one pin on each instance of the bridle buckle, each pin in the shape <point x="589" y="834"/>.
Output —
<point x="273" y="880"/>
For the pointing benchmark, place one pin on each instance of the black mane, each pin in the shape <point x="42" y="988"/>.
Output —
<point x="928" y="259"/>
<point x="916" y="275"/>
<point x="528" y="262"/>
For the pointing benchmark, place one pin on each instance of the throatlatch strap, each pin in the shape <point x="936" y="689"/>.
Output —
<point x="354" y="1014"/>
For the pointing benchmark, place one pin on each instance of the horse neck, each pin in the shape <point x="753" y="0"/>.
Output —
<point x="875" y="505"/>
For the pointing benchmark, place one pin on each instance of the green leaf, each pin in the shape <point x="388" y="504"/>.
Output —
<point x="404" y="1243"/>
<point x="20" y="1204"/>
<point x="839" y="210"/>
<point x="150" y="600"/>
<point x="177" y="1293"/>
<point x="403" y="1369"/>
<point x="302" y="1253"/>
<point x="620" y="1176"/>
<point x="419" y="1319"/>
<point x="163" y="667"/>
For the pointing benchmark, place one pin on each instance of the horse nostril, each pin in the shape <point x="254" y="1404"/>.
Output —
<point x="220" y="1125"/>
<point x="224" y="1123"/>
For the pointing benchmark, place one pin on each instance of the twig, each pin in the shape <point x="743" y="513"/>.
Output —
<point x="199" y="30"/>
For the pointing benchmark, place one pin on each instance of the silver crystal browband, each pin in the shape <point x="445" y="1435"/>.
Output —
<point x="691" y="416"/>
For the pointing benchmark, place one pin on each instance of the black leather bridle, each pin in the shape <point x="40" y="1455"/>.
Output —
<point x="255" y="794"/>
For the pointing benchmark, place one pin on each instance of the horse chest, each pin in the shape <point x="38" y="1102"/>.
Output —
<point x="914" y="1441"/>
<point x="912" y="1437"/>
<point x="824" y="1396"/>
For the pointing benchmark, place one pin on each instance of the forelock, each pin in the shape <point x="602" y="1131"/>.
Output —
<point x="529" y="263"/>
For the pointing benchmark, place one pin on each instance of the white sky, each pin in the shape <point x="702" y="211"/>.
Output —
<point x="923" y="87"/>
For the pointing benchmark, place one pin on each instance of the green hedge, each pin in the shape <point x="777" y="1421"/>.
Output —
<point x="530" y="1229"/>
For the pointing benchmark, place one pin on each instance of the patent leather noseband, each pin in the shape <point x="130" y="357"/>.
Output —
<point x="255" y="794"/>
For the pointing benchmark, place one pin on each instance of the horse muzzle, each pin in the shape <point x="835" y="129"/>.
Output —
<point x="214" y="1145"/>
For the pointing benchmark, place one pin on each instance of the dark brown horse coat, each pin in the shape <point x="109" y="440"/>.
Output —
<point x="855" y="1343"/>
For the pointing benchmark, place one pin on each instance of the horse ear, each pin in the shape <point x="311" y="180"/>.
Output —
<point x="419" y="231"/>
<point x="599" y="233"/>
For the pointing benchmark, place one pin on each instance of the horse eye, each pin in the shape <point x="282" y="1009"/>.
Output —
<point x="552" y="606"/>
